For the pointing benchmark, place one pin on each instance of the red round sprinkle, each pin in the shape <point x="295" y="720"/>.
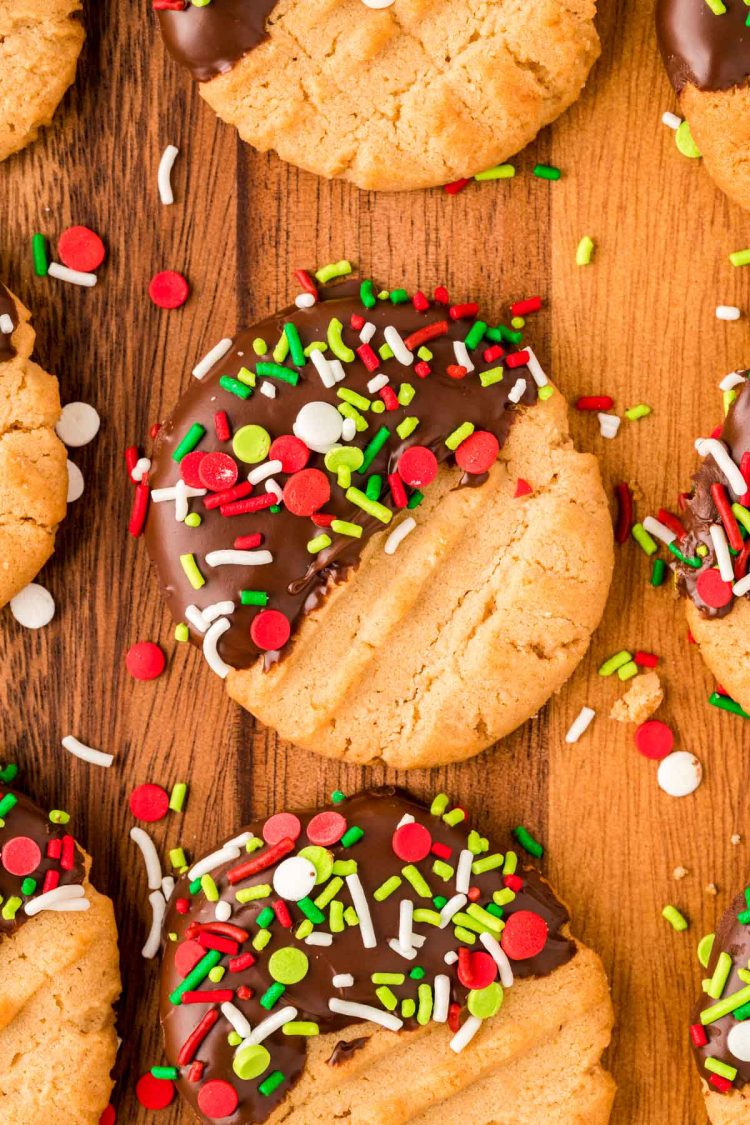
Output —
<point x="326" y="828"/>
<point x="525" y="935"/>
<point x="412" y="842"/>
<point x="187" y="955"/>
<point x="154" y="1093"/>
<point x="168" y="289"/>
<point x="475" y="970"/>
<point x="281" y="826"/>
<point x="417" y="466"/>
<point x="21" y="856"/>
<point x="306" y="491"/>
<point x="712" y="588"/>
<point x="292" y="453"/>
<point x="189" y="468"/>
<point x="109" y="1116"/>
<point x="145" y="660"/>
<point x="654" y="739"/>
<point x="217" y="1098"/>
<point x="81" y="249"/>
<point x="270" y="629"/>
<point x="478" y="453"/>
<point x="218" y="471"/>
<point x="149" y="802"/>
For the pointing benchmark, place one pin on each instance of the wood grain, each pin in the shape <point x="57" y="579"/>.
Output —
<point x="638" y="323"/>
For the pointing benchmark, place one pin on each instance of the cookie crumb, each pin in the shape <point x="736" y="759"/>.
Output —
<point x="641" y="700"/>
<point x="711" y="889"/>
<point x="680" y="872"/>
<point x="735" y="839"/>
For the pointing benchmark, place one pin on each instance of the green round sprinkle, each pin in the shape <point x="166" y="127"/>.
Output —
<point x="337" y="797"/>
<point x="344" y="457"/>
<point x="251" y="1061"/>
<point x="683" y="138"/>
<point x="321" y="859"/>
<point x="251" y="444"/>
<point x="485" y="1002"/>
<point x="517" y="322"/>
<point x="193" y="520"/>
<point x="260" y="347"/>
<point x="28" y="886"/>
<point x="288" y="965"/>
<point x="58" y="816"/>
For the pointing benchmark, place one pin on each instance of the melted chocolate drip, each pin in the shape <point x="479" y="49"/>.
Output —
<point x="734" y="938"/>
<point x="297" y="581"/>
<point x="27" y="820"/>
<point x="701" y="511"/>
<point x="7" y="308"/>
<point x="702" y="49"/>
<point x="209" y="41"/>
<point x="377" y="813"/>
<point x="346" y="1049"/>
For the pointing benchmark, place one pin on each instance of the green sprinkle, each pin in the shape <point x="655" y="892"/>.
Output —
<point x="295" y="344"/>
<point x="265" y="917"/>
<point x="658" y="572"/>
<point x="235" y="387"/>
<point x="189" y="441"/>
<point x="439" y="901"/>
<point x="372" y="507"/>
<point x="57" y="816"/>
<point x="196" y="975"/>
<point x="373" y="447"/>
<point x="170" y="1072"/>
<point x="585" y="251"/>
<point x="503" y="335"/>
<point x="253" y="597"/>
<point x="28" y="886"/>
<point x="387" y="888"/>
<point x="489" y="378"/>
<point x="547" y="172"/>
<point x="414" y="876"/>
<point x="399" y="296"/>
<point x="333" y="270"/>
<point x="716" y="1065"/>
<point x="39" y="254"/>
<point x="177" y="796"/>
<point x="194" y="886"/>
<point x="373" y="487"/>
<point x="367" y="294"/>
<point x="192" y="573"/>
<point x="489" y="863"/>
<point x="272" y="995"/>
<point x="407" y="427"/>
<point x="310" y="910"/>
<point x="9" y="773"/>
<point x="716" y="985"/>
<point x="499" y="172"/>
<point x="476" y="334"/>
<point x="740" y="258"/>
<point x="675" y="919"/>
<point x="610" y="666"/>
<point x="352" y="836"/>
<point x="276" y="371"/>
<point x="7" y="803"/>
<point x="415" y="499"/>
<point x="439" y="804"/>
<point x="527" y="842"/>
<point x="319" y="543"/>
<point x="643" y="539"/>
<point x="724" y="703"/>
<point x="465" y="430"/>
<point x="640" y="410"/>
<point x="386" y="997"/>
<point x="695" y="563"/>
<point x="424" y="1011"/>
<point x="268" y="1085"/>
<point x="337" y="797"/>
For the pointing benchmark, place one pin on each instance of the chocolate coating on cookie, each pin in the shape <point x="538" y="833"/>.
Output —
<point x="35" y="851"/>
<point x="702" y="49"/>
<point x="210" y="40"/>
<point x="363" y="836"/>
<point x="423" y="403"/>
<point x="7" y="308"/>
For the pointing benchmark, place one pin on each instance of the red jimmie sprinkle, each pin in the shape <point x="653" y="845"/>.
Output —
<point x="724" y="508"/>
<point x="624" y="512"/>
<point x="169" y="6"/>
<point x="389" y="398"/>
<point x="208" y="996"/>
<point x="67" y="859"/>
<point x="514" y="882"/>
<point x="721" y="1084"/>
<point x="456" y="371"/>
<point x="221" y="426"/>
<point x="698" y="1035"/>
<point x="429" y="332"/>
<point x="81" y="249"/>
<point x="517" y="359"/>
<point x="247" y="542"/>
<point x="250" y="504"/>
<point x="441" y="295"/>
<point x="51" y="880"/>
<point x="168" y="289"/>
<point x="187" y="1051"/>
<point x="422" y="369"/>
<point x="139" y="510"/>
<point x="239" y="964"/>
<point x="456" y="187"/>
<point x="228" y="929"/>
<point x="398" y="492"/>
<point x="131" y="458"/>
<point x="594" y="402"/>
<point x="671" y="521"/>
<point x="54" y="849"/>
<point x="244" y="992"/>
<point x="645" y="659"/>
<point x="420" y="302"/>
<point x="281" y="911"/>
<point x="745" y="470"/>
<point x="463" y="312"/>
<point x="442" y="851"/>
<point x="357" y="322"/>
<point x="454" y="1017"/>
<point x="181" y="905"/>
<point x="307" y="283"/>
<point x="322" y="519"/>
<point x="213" y="941"/>
<point x="368" y="357"/>
<point x="523" y="308"/>
<point x="741" y="562"/>
<point x="195" y="1074"/>
<point x="260" y="862"/>
<point x="223" y="498"/>
<point x="493" y="353"/>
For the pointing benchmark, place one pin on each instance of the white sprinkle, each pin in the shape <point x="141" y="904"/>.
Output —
<point x="407" y="818"/>
<point x="465" y="1034"/>
<point x="158" y="910"/>
<point x="365" y="1012"/>
<point x="164" y="175"/>
<point x="180" y="493"/>
<point x="679" y="774"/>
<point x="75" y="277"/>
<point x="304" y="300"/>
<point x="75" y="483"/>
<point x="78" y="424"/>
<point x="712" y="447"/>
<point x="239" y="841"/>
<point x="167" y="887"/>
<point x="343" y="980"/>
<point x="451" y="957"/>
<point x="517" y="391"/>
<point x="733" y="379"/>
<point x="609" y="424"/>
<point x="238" y="1021"/>
<point x="196" y="618"/>
<point x="139" y="470"/>
<point x="319" y="937"/>
<point x="408" y="954"/>
<point x="742" y="587"/>
<point x="212" y="861"/>
<point x="377" y="5"/>
<point x="33" y="607"/>
<point x="377" y="383"/>
<point x="349" y="429"/>
<point x="463" y="359"/>
<point x="56" y="899"/>
<point x="217" y="352"/>
<point x="671" y="120"/>
<point x="367" y="332"/>
<point x="6" y="324"/>
<point x="217" y="609"/>
<point x="294" y="878"/>
<point x="405" y="916"/>
<point x="442" y="998"/>
<point x="721" y="547"/>
<point x="498" y="955"/>
<point x="738" y="1040"/>
<point x="534" y="368"/>
<point x="323" y="368"/>
<point x="267" y="1026"/>
<point x="150" y="857"/>
<point x="319" y="425"/>
<point x="397" y="536"/>
<point x="223" y="911"/>
<point x="452" y="906"/>
<point x="727" y="312"/>
<point x="580" y="724"/>
<point x="659" y="530"/>
<point x="397" y="346"/>
<point x="210" y="652"/>
<point x="359" y="901"/>
<point x="87" y="753"/>
<point x="338" y="370"/>
<point x="274" y="488"/>
<point x="267" y="389"/>
<point x="463" y="872"/>
<point x="239" y="558"/>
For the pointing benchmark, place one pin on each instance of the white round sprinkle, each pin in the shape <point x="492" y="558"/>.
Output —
<point x="294" y="878"/>
<point x="141" y="467"/>
<point x="319" y="425"/>
<point x="79" y="424"/>
<point x="377" y="4"/>
<point x="75" y="483"/>
<point x="304" y="301"/>
<point x="738" y="1041"/>
<point x="679" y="773"/>
<point x="33" y="607"/>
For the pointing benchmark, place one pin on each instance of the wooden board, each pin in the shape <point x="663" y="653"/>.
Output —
<point x="638" y="323"/>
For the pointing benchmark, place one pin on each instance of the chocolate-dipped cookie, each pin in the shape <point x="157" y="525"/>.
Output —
<point x="368" y="507"/>
<point x="409" y="94"/>
<point x="706" y="50"/>
<point x="317" y="958"/>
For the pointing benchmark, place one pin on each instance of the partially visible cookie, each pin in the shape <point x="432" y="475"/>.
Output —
<point x="59" y="973"/>
<point x="33" y="462"/>
<point x="707" y="55"/>
<point x="40" y="41"/>
<point x="411" y="95"/>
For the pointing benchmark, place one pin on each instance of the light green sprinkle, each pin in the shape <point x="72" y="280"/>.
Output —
<point x="209" y="888"/>
<point x="481" y="915"/>
<point x="717" y="7"/>
<point x="343" y="527"/>
<point x="405" y="394"/>
<point x="685" y="141"/>
<point x="177" y="796"/>
<point x="645" y="541"/>
<point x="387" y="888"/>
<point x="388" y="978"/>
<point x="193" y="574"/>
<point x="333" y="270"/>
<point x="489" y="378"/>
<point x="465" y="430"/>
<point x="545" y="392"/>
<point x="386" y="997"/>
<point x="350" y="916"/>
<point x="716" y="1066"/>
<point x="252" y="894"/>
<point x="489" y="863"/>
<point x="303" y="930"/>
<point x="585" y="251"/>
<point x="301" y="1027"/>
<point x="504" y="896"/>
<point x="716" y="984"/>
<point x="260" y="347"/>
<point x="454" y="817"/>
<point x="705" y="945"/>
<point x="261" y="940"/>
<point x="414" y="876"/>
<point x="640" y="410"/>
<point x="427" y="917"/>
<point x="511" y="863"/>
<point x="740" y="258"/>
<point x="627" y="671"/>
<point x="610" y="666"/>
<point x="424" y="1010"/>
<point x="499" y="172"/>
<point x="439" y="804"/>
<point x="675" y="919"/>
<point x="59" y="816"/>
<point x="318" y="544"/>
<point x="329" y="892"/>
<point x="407" y="427"/>
<point x="177" y="858"/>
<point x="336" y="916"/>
<point x="465" y="936"/>
<point x="336" y="343"/>
<point x="281" y="351"/>
<point x="443" y="870"/>
<point x="372" y="507"/>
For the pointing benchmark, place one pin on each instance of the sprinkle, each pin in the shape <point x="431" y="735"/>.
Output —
<point x="211" y="358"/>
<point x="150" y="857"/>
<point x="238" y="558"/>
<point x="609" y="424"/>
<point x="547" y="172"/>
<point x="641" y="410"/>
<point x="365" y="1012"/>
<point x="60" y="899"/>
<point x="727" y="312"/>
<point x="580" y="724"/>
<point x="397" y="345"/>
<point x="499" y="172"/>
<point x="333" y="270"/>
<point x="675" y="919"/>
<point x="86" y="753"/>
<point x="74" y="277"/>
<point x="671" y="120"/>
<point x="398" y="535"/>
<point x="158" y="910"/>
<point x="740" y="258"/>
<point x="210" y="651"/>
<point x="39" y="253"/>
<point x="658" y="530"/>
<point x="679" y="774"/>
<point x="466" y="1033"/>
<point x="359" y="900"/>
<point x="724" y="1007"/>
<point x="164" y="180"/>
<point x="372" y="507"/>
<point x="584" y="251"/>
<point x="724" y="703"/>
<point x="527" y="842"/>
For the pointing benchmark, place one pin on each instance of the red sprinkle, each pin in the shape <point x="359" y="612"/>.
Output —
<point x="698" y="1035"/>
<point x="429" y="332"/>
<point x="221" y="426"/>
<point x="654" y="739"/>
<point x="109" y="1115"/>
<point x="412" y="842"/>
<point x="398" y="492"/>
<point x="422" y="369"/>
<point x="523" y="308"/>
<point x="219" y="499"/>
<point x="517" y="359"/>
<point x="51" y="880"/>
<point x="523" y="488"/>
<point x="624" y="523"/>
<point x="671" y="521"/>
<point x="239" y="964"/>
<point x="322" y="519"/>
<point x="214" y="941"/>
<point x="462" y="312"/>
<point x="418" y="466"/>
<point x="515" y="882"/>
<point x="368" y="357"/>
<point x="189" y="466"/>
<point x="149" y="802"/>
<point x="306" y="492"/>
<point x="145" y="660"/>
<point x="54" y="849"/>
<point x="307" y="283"/>
<point x="68" y="855"/>
<point x="721" y="1084"/>
<point x="131" y="458"/>
<point x="281" y="826"/>
<point x="326" y="829"/>
<point x="270" y="630"/>
<point x="281" y="911"/>
<point x="154" y="1093"/>
<point x="456" y="187"/>
<point x="195" y="1074"/>
<point x="247" y="542"/>
<point x="724" y="508"/>
<point x="208" y="996"/>
<point x="478" y="453"/>
<point x="168" y="289"/>
<point x="476" y="970"/>
<point x="260" y="862"/>
<point x="454" y="1017"/>
<point x="187" y="1051"/>
<point x="249" y="504"/>
<point x="442" y="851"/>
<point x="389" y="397"/>
<point x="81" y="249"/>
<point x="139" y="509"/>
<point x="244" y="992"/>
<point x="745" y="470"/>
<point x="218" y="472"/>
<point x="181" y="905"/>
<point x="456" y="371"/>
<point x="291" y="451"/>
<point x="217" y="1098"/>
<point x="645" y="659"/>
<point x="493" y="353"/>
<point x="525" y="935"/>
<point x="741" y="562"/>
<point x="21" y="855"/>
<point x="357" y="322"/>
<point x="712" y="588"/>
<point x="594" y="402"/>
<point x="420" y="302"/>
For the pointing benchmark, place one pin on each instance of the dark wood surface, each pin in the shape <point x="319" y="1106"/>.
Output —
<point x="639" y="323"/>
